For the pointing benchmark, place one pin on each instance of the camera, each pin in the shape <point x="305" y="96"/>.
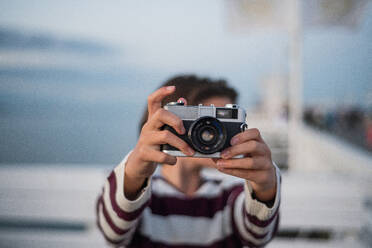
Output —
<point x="209" y="129"/>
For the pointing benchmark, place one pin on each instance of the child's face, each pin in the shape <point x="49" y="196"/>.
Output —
<point x="205" y="162"/>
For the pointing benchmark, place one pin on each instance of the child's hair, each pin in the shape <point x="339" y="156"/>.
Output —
<point x="195" y="90"/>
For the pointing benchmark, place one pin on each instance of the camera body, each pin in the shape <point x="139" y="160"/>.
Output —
<point x="209" y="129"/>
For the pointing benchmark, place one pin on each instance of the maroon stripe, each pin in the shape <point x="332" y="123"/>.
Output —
<point x="250" y="244"/>
<point x="261" y="223"/>
<point x="276" y="226"/>
<point x="116" y="229"/>
<point x="99" y="201"/>
<point x="141" y="240"/>
<point x="232" y="200"/>
<point x="254" y="234"/>
<point x="253" y="219"/>
<point x="244" y="241"/>
<point x="128" y="216"/>
<point x="236" y="232"/>
<point x="195" y="207"/>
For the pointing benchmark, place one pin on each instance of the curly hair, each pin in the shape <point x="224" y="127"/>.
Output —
<point x="195" y="90"/>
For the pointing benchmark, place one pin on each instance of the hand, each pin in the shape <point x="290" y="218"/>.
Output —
<point x="256" y="165"/>
<point x="142" y="161"/>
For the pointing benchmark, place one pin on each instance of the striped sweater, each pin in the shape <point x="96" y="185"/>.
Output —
<point x="222" y="213"/>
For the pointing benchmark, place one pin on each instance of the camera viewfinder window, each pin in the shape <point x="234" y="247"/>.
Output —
<point x="223" y="113"/>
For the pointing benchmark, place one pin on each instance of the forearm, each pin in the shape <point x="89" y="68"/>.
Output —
<point x="255" y="222"/>
<point x="267" y="192"/>
<point x="117" y="216"/>
<point x="132" y="186"/>
<point x="133" y="181"/>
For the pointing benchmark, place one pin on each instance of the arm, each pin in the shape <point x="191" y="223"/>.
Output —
<point x="255" y="211"/>
<point x="254" y="223"/>
<point x="128" y="188"/>
<point x="117" y="216"/>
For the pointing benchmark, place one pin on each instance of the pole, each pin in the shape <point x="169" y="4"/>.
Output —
<point x="295" y="84"/>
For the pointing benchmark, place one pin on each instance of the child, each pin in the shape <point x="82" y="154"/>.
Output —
<point x="182" y="207"/>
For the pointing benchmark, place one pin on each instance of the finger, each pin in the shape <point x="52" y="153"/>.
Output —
<point x="162" y="117"/>
<point x="151" y="155"/>
<point x="251" y="147"/>
<point x="166" y="137"/>
<point x="256" y="176"/>
<point x="246" y="174"/>
<point x="249" y="163"/>
<point x="249" y="134"/>
<point x="154" y="100"/>
<point x="183" y="100"/>
<point x="215" y="160"/>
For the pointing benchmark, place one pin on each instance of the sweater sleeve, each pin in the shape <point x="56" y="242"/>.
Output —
<point x="253" y="222"/>
<point x="117" y="217"/>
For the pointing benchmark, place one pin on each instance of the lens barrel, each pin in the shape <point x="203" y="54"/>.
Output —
<point x="207" y="135"/>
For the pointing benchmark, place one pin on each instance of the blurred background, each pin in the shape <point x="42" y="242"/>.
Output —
<point x="74" y="77"/>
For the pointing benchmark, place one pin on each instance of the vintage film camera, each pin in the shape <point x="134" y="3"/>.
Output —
<point x="209" y="129"/>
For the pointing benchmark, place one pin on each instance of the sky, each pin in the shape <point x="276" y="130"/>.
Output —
<point x="193" y="36"/>
<point x="88" y="66"/>
<point x="145" y="31"/>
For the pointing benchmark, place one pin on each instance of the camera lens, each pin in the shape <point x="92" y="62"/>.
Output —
<point x="207" y="135"/>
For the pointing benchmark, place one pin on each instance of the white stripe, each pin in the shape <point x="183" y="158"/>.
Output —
<point x="110" y="233"/>
<point x="259" y="209"/>
<point x="208" y="190"/>
<point x="122" y="224"/>
<point x="179" y="229"/>
<point x="106" y="227"/>
<point x="240" y="225"/>
<point x="211" y="190"/>
<point x="162" y="188"/>
<point x="257" y="229"/>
